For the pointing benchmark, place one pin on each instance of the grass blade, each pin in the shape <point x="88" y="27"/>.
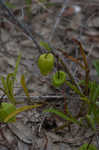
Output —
<point x="96" y="65"/>
<point x="62" y="115"/>
<point x="21" y="109"/>
<point x="16" y="68"/>
<point x="23" y="83"/>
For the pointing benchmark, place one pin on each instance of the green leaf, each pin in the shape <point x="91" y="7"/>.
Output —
<point x="4" y="84"/>
<point x="8" y="83"/>
<point x="86" y="147"/>
<point x="82" y="82"/>
<point x="85" y="99"/>
<point x="96" y="65"/>
<point x="51" y="4"/>
<point x="9" y="5"/>
<point x="96" y="115"/>
<point x="93" y="87"/>
<point x="16" y="67"/>
<point x="62" y="115"/>
<point x="42" y="1"/>
<point x="10" y="86"/>
<point x="93" y="95"/>
<point x="45" y="45"/>
<point x="21" y="109"/>
<point x="96" y="94"/>
<point x="23" y="83"/>
<point x="28" y="2"/>
<point x="28" y="8"/>
<point x="74" y="88"/>
<point x="91" y="121"/>
<point x="5" y="110"/>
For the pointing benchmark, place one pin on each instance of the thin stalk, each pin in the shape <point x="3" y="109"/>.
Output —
<point x="58" y="18"/>
<point x="70" y="75"/>
<point x="86" y="65"/>
<point x="74" y="88"/>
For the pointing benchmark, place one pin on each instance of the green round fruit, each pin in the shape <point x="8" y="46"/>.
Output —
<point x="5" y="110"/>
<point x="91" y="147"/>
<point x="59" y="78"/>
<point x="46" y="63"/>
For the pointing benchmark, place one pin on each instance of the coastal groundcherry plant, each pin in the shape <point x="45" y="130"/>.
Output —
<point x="58" y="78"/>
<point x="46" y="63"/>
<point x="5" y="110"/>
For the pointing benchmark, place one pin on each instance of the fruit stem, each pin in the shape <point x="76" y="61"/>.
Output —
<point x="46" y="55"/>
<point x="58" y="67"/>
<point x="58" y="74"/>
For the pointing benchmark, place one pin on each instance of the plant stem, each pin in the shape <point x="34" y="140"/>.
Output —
<point x="74" y="88"/>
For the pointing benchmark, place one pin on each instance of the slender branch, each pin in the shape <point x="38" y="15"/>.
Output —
<point x="58" y="18"/>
